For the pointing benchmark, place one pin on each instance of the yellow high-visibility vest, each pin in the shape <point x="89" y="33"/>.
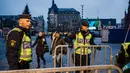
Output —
<point x="80" y="42"/>
<point x="25" y="50"/>
<point x="125" y="47"/>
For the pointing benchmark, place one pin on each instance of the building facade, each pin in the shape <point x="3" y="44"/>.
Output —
<point x="9" y="21"/>
<point x="38" y="23"/>
<point x="63" y="19"/>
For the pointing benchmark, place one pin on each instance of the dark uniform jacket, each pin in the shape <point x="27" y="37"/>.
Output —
<point x="121" y="59"/>
<point x="40" y="45"/>
<point x="13" y="44"/>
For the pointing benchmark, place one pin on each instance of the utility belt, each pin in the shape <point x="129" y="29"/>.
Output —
<point x="26" y="56"/>
<point x="24" y="62"/>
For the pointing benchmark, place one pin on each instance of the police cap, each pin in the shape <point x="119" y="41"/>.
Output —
<point x="85" y="23"/>
<point x="24" y="16"/>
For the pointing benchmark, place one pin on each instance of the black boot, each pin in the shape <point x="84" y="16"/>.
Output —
<point x="38" y="66"/>
<point x="38" y="62"/>
<point x="44" y="62"/>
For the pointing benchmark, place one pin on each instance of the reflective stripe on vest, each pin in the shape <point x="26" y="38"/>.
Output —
<point x="25" y="51"/>
<point x="125" y="47"/>
<point x="80" y="41"/>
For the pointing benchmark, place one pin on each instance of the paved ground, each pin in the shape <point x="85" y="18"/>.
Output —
<point x="4" y="65"/>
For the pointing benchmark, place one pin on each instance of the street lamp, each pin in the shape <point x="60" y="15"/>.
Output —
<point x="82" y="10"/>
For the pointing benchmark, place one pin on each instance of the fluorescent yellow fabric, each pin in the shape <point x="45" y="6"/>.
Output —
<point x="125" y="47"/>
<point x="80" y="42"/>
<point x="25" y="51"/>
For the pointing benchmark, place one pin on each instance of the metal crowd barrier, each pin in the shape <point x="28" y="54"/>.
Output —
<point x="55" y="56"/>
<point x="95" y="54"/>
<point x="110" y="69"/>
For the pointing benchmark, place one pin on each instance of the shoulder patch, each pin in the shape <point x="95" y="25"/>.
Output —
<point x="12" y="43"/>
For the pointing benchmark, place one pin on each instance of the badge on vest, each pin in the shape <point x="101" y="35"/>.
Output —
<point x="26" y="45"/>
<point x="87" y="40"/>
<point x="82" y="41"/>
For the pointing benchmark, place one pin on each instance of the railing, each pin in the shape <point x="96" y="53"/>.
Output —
<point x="55" y="56"/>
<point x="92" y="69"/>
<point x="95" y="55"/>
<point x="98" y="53"/>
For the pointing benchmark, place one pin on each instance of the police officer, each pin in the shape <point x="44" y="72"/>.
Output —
<point x="84" y="37"/>
<point x="123" y="56"/>
<point x="18" y="45"/>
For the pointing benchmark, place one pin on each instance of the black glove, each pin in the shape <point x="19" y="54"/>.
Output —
<point x="99" y="48"/>
<point x="22" y="62"/>
<point x="70" y="45"/>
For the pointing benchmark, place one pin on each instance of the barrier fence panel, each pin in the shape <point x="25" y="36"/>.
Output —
<point x="103" y="56"/>
<point x="110" y="69"/>
<point x="61" y="54"/>
<point x="97" y="55"/>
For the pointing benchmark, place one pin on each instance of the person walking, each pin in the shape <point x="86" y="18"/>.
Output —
<point x="41" y="48"/>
